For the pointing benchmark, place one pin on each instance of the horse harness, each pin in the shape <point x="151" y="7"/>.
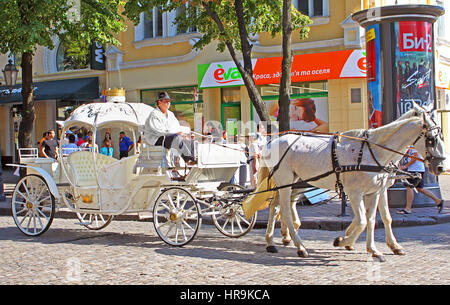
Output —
<point x="337" y="168"/>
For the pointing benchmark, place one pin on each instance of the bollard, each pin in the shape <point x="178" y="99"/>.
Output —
<point x="343" y="205"/>
<point x="2" y="195"/>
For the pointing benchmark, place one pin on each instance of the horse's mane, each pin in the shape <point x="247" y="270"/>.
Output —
<point x="382" y="134"/>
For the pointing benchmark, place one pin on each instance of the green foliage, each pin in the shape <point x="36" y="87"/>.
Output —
<point x="260" y="16"/>
<point x="27" y="24"/>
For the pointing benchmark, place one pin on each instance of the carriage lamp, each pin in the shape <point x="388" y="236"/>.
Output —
<point x="10" y="76"/>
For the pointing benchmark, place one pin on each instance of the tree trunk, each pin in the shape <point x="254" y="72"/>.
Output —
<point x="286" y="65"/>
<point x="246" y="70"/>
<point x="28" y="115"/>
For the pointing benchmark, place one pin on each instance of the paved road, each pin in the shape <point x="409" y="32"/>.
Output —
<point x="129" y="252"/>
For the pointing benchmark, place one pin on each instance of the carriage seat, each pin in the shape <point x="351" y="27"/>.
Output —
<point x="117" y="174"/>
<point x="82" y="165"/>
<point x="153" y="157"/>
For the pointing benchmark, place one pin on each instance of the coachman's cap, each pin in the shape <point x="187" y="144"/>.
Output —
<point x="163" y="96"/>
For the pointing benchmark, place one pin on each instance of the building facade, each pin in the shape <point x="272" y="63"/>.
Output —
<point x="329" y="71"/>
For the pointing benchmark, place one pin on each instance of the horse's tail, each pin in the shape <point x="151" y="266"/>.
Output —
<point x="259" y="199"/>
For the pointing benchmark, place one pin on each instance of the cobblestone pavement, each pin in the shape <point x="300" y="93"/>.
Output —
<point x="129" y="252"/>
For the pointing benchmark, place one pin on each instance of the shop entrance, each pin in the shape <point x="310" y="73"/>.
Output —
<point x="231" y="109"/>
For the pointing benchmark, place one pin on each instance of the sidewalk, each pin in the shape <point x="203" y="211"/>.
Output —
<point x="319" y="216"/>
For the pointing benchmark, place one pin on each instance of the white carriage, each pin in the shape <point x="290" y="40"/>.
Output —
<point x="97" y="187"/>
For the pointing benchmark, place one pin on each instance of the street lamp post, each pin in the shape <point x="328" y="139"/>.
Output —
<point x="10" y="76"/>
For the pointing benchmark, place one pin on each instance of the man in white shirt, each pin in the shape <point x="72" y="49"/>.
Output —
<point x="163" y="129"/>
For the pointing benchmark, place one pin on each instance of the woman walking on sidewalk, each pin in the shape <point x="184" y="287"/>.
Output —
<point x="417" y="167"/>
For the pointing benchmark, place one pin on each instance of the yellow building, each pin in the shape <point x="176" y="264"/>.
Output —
<point x="155" y="56"/>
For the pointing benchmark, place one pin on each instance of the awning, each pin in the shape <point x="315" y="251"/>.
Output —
<point x="70" y="89"/>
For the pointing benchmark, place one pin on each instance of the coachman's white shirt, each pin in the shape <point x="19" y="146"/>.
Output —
<point x="159" y="124"/>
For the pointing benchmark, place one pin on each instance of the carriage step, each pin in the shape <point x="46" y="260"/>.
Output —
<point x="144" y="215"/>
<point x="83" y="223"/>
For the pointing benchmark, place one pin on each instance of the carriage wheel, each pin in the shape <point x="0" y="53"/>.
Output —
<point x="229" y="219"/>
<point x="32" y="205"/>
<point x="94" y="221"/>
<point x="176" y="216"/>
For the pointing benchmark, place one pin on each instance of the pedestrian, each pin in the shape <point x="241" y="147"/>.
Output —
<point x="71" y="146"/>
<point x="41" y="142"/>
<point x="244" y="165"/>
<point x="50" y="145"/>
<point x="107" y="137"/>
<point x="80" y="137"/>
<point x="416" y="167"/>
<point x="253" y="159"/>
<point x="107" y="148"/>
<point x="89" y="144"/>
<point x="224" y="139"/>
<point x="125" y="146"/>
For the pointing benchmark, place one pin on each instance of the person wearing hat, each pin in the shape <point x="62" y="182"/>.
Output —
<point x="163" y="129"/>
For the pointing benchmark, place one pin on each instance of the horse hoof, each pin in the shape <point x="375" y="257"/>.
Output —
<point x="337" y="241"/>
<point x="272" y="249"/>
<point x="378" y="257"/>
<point x="349" y="248"/>
<point x="399" y="251"/>
<point x="302" y="253"/>
<point x="286" y="242"/>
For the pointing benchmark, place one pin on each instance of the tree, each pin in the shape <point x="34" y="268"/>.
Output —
<point x="231" y="23"/>
<point x="27" y="24"/>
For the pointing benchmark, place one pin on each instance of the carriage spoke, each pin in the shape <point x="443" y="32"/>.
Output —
<point x="43" y="215"/>
<point x="186" y="224"/>
<point x="34" y="222"/>
<point x="21" y="211"/>
<point x="46" y="198"/>
<point x="176" y="233"/>
<point x="239" y="224"/>
<point x="28" y="225"/>
<point x="171" y="201"/>
<point x="243" y="219"/>
<point x="23" y="195"/>
<point x="183" y="231"/>
<point x="40" y="222"/>
<point x="225" y="224"/>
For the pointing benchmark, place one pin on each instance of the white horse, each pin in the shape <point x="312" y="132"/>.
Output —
<point x="310" y="156"/>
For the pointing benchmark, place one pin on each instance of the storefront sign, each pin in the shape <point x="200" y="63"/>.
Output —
<point x="97" y="56"/>
<point x="414" y="61"/>
<point x="443" y="77"/>
<point x="309" y="67"/>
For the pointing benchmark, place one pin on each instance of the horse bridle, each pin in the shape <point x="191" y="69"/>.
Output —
<point x="430" y="140"/>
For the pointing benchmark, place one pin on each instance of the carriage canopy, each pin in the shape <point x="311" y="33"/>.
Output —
<point x="110" y="113"/>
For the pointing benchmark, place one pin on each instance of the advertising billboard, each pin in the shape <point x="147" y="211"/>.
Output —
<point x="374" y="75"/>
<point x="306" y="112"/>
<point x="414" y="63"/>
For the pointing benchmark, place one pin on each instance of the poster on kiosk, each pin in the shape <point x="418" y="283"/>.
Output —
<point x="414" y="63"/>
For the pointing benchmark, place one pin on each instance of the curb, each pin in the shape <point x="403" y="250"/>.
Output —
<point x="308" y="223"/>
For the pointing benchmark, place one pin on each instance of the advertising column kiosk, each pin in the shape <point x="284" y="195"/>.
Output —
<point x="400" y="70"/>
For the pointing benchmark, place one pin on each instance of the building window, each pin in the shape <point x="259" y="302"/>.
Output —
<point x="185" y="12"/>
<point x="159" y="24"/>
<point x="71" y="59"/>
<point x="312" y="8"/>
<point x="355" y="94"/>
<point x="153" y="23"/>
